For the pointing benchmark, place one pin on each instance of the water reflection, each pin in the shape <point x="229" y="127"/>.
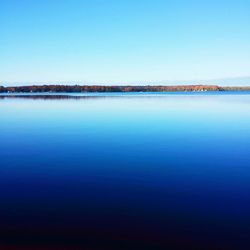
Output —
<point x="125" y="172"/>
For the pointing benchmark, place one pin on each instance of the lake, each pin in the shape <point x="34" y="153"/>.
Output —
<point x="125" y="171"/>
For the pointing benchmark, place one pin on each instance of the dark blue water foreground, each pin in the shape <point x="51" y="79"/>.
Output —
<point x="141" y="171"/>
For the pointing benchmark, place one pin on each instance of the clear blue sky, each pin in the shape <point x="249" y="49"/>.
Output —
<point x="121" y="41"/>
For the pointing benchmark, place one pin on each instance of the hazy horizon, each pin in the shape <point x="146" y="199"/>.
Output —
<point x="234" y="81"/>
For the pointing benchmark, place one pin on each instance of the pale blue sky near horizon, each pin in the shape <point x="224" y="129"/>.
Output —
<point x="123" y="41"/>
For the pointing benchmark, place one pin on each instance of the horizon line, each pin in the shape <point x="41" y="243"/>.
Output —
<point x="122" y="83"/>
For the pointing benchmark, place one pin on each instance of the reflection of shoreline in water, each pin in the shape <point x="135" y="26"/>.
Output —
<point x="48" y="97"/>
<point x="92" y="95"/>
<point x="60" y="97"/>
<point x="181" y="98"/>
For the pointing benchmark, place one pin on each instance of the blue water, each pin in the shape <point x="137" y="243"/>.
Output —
<point x="125" y="171"/>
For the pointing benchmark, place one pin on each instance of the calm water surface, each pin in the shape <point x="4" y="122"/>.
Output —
<point x="140" y="171"/>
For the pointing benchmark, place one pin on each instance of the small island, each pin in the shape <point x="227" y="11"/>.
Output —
<point x="109" y="88"/>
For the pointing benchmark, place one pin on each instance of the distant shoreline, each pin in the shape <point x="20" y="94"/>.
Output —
<point x="113" y="88"/>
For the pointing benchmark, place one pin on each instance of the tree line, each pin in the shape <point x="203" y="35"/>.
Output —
<point x="100" y="88"/>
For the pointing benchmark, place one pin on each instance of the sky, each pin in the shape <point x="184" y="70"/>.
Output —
<point x="123" y="41"/>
